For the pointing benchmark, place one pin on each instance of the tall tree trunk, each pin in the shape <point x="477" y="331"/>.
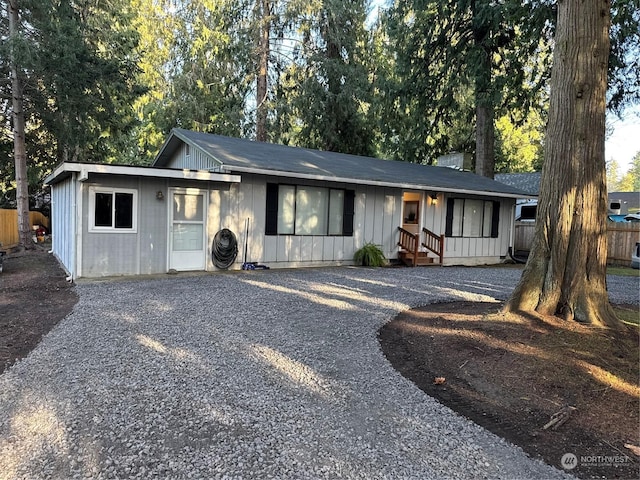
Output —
<point x="19" y="150"/>
<point x="263" y="9"/>
<point x="332" y="134"/>
<point x="485" y="135"/>
<point x="485" y="139"/>
<point x="566" y="271"/>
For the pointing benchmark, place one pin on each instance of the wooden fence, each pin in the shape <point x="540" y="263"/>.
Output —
<point x="622" y="239"/>
<point x="523" y="236"/>
<point x="9" y="225"/>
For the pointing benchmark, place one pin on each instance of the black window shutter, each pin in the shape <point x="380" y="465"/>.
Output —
<point x="348" y="212"/>
<point x="271" y="221"/>
<point x="449" y="223"/>
<point x="495" y="219"/>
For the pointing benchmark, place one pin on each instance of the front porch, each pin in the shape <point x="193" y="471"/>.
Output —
<point x="420" y="249"/>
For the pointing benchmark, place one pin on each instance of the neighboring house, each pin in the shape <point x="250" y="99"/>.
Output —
<point x="619" y="203"/>
<point x="623" y="203"/>
<point x="528" y="183"/>
<point x="303" y="207"/>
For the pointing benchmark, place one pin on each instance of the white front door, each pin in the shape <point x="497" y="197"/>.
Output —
<point x="187" y="246"/>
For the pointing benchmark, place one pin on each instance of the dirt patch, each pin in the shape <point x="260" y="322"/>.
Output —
<point x="34" y="297"/>
<point x="512" y="373"/>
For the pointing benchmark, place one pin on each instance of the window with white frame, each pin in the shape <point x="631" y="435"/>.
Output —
<point x="113" y="210"/>
<point x="468" y="217"/>
<point x="306" y="210"/>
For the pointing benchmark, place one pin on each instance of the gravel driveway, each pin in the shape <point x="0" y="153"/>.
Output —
<point x="273" y="374"/>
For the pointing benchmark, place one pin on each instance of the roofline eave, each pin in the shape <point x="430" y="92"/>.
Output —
<point x="84" y="169"/>
<point x="377" y="183"/>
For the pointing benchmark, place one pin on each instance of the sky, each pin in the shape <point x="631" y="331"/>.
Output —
<point x="624" y="143"/>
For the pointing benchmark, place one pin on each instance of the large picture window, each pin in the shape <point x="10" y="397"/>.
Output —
<point x="304" y="210"/>
<point x="467" y="217"/>
<point x="112" y="210"/>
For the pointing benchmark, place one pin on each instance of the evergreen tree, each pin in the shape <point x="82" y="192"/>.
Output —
<point x="500" y="51"/>
<point x="462" y="61"/>
<point x="630" y="181"/>
<point x="613" y="175"/>
<point x="82" y="74"/>
<point x="204" y="62"/>
<point x="328" y="83"/>
<point x="519" y="142"/>
<point x="77" y="69"/>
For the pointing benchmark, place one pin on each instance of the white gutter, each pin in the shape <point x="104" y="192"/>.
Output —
<point x="411" y="186"/>
<point x="84" y="169"/>
<point x="512" y="228"/>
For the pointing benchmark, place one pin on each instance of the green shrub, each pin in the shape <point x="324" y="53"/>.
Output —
<point x="370" y="255"/>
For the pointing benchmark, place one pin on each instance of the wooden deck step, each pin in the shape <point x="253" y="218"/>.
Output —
<point x="422" y="260"/>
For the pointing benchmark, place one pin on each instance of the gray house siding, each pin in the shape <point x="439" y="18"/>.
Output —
<point x="377" y="215"/>
<point x="63" y="222"/>
<point x="146" y="250"/>
<point x="112" y="253"/>
<point x="191" y="158"/>
<point x="478" y="251"/>
<point x="378" y="212"/>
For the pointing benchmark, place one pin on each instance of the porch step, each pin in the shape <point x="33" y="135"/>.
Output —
<point x="422" y="260"/>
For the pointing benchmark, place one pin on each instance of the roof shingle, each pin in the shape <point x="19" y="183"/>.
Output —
<point x="238" y="155"/>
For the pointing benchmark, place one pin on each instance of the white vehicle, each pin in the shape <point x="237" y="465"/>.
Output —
<point x="635" y="256"/>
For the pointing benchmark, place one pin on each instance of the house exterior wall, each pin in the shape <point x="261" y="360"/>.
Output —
<point x="191" y="158"/>
<point x="478" y="251"/>
<point x="116" y="253"/>
<point x="377" y="216"/>
<point x="146" y="250"/>
<point x="63" y="222"/>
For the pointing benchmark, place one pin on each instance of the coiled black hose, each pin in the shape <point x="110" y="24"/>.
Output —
<point x="224" y="249"/>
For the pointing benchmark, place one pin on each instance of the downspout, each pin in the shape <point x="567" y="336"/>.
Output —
<point x="51" y="222"/>
<point x="512" y="235"/>
<point x="77" y="271"/>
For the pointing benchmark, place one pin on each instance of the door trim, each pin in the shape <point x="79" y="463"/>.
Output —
<point x="205" y="208"/>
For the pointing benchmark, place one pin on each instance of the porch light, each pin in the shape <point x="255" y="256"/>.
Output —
<point x="434" y="198"/>
<point x="160" y="195"/>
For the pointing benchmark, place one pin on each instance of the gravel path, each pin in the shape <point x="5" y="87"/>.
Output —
<point x="274" y="374"/>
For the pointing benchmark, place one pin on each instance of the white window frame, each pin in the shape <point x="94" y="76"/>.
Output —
<point x="112" y="229"/>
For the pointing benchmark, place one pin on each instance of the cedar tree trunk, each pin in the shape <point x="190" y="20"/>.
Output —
<point x="566" y="271"/>
<point x="19" y="150"/>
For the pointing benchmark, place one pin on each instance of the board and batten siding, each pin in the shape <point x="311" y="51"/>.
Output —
<point x="146" y="250"/>
<point x="112" y="253"/>
<point x="191" y="158"/>
<point x="434" y="216"/>
<point x="63" y="222"/>
<point x="376" y="218"/>
<point x="479" y="251"/>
